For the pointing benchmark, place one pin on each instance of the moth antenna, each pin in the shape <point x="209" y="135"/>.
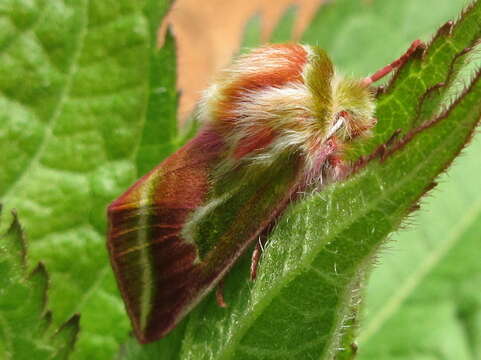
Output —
<point x="256" y="255"/>
<point x="219" y="294"/>
<point x="394" y="65"/>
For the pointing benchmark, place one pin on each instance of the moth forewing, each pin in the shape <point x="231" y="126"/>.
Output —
<point x="162" y="274"/>
<point x="154" y="266"/>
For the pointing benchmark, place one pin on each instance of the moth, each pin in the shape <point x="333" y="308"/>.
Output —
<point x="276" y="123"/>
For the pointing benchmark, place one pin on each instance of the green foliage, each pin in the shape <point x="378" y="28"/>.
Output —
<point x="80" y="81"/>
<point x="161" y="109"/>
<point x="99" y="111"/>
<point x="305" y="302"/>
<point x="424" y="299"/>
<point x="26" y="331"/>
<point x="413" y="308"/>
<point x="252" y="33"/>
<point x="426" y="286"/>
<point x="281" y="33"/>
<point x="283" y="30"/>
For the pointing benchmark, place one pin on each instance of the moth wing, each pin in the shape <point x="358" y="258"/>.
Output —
<point x="175" y="233"/>
<point x="155" y="268"/>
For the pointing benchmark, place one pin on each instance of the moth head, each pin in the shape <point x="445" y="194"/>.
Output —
<point x="285" y="97"/>
<point x="352" y="100"/>
<point x="353" y="109"/>
<point x="344" y="107"/>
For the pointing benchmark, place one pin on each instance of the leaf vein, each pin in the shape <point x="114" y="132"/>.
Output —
<point x="58" y="108"/>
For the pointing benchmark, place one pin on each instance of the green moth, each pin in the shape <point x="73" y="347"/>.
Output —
<point x="275" y="124"/>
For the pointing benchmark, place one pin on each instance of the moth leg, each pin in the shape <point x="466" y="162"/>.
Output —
<point x="393" y="137"/>
<point x="340" y="170"/>
<point x="256" y="256"/>
<point x="219" y="294"/>
<point x="417" y="44"/>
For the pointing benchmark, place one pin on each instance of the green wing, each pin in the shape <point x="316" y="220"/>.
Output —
<point x="176" y="232"/>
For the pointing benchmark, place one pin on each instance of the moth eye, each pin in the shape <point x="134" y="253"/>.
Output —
<point x="348" y="118"/>
<point x="346" y="114"/>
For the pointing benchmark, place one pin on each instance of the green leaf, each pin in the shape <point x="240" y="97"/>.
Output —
<point x="73" y="135"/>
<point x="160" y="129"/>
<point x="252" y="33"/>
<point x="423" y="298"/>
<point x="363" y="36"/>
<point x="304" y="303"/>
<point x="413" y="256"/>
<point x="284" y="28"/>
<point x="24" y="319"/>
<point x="398" y="107"/>
<point x="282" y="32"/>
<point x="79" y="82"/>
